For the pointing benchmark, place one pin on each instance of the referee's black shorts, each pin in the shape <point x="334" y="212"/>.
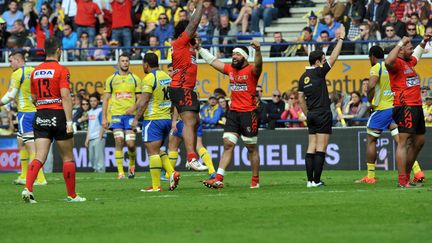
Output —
<point x="184" y="99"/>
<point x="50" y="124"/>
<point x="320" y="121"/>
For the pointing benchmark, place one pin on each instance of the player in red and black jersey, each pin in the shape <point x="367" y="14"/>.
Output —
<point x="181" y="92"/>
<point x="50" y="88"/>
<point x="242" y="117"/>
<point x="407" y="111"/>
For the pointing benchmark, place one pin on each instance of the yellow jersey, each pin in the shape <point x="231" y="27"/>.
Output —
<point x="383" y="97"/>
<point x="427" y="110"/>
<point x="159" y="107"/>
<point x="123" y="89"/>
<point x="20" y="79"/>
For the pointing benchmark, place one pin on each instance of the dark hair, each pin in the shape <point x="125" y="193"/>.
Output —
<point x="167" y="18"/>
<point x="315" y="56"/>
<point x="13" y="1"/>
<point x="376" y="51"/>
<point x="95" y="95"/>
<point x="154" y="36"/>
<point x="325" y="32"/>
<point x="411" y="24"/>
<point x="43" y="16"/>
<point x="84" y="33"/>
<point x="19" y="21"/>
<point x="219" y="91"/>
<point x="415" y="14"/>
<point x="357" y="93"/>
<point x="124" y="54"/>
<point x="17" y="53"/>
<point x="180" y="27"/>
<point x="244" y="48"/>
<point x="170" y="65"/>
<point x="151" y="59"/>
<point x="84" y="100"/>
<point x="182" y="11"/>
<point x="51" y="45"/>
<point x="308" y="29"/>
<point x="330" y="14"/>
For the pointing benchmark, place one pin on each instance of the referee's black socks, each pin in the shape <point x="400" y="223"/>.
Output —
<point x="318" y="164"/>
<point x="309" y="166"/>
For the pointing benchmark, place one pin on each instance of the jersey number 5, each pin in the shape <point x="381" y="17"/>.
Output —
<point x="44" y="88"/>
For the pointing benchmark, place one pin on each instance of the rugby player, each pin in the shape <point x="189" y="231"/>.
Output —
<point x="122" y="88"/>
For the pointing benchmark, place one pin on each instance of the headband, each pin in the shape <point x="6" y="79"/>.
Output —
<point x="241" y="51"/>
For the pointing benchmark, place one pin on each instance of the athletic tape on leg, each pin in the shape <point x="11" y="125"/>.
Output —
<point x="373" y="133"/>
<point x="250" y="140"/>
<point x="231" y="137"/>
<point x="118" y="134"/>
<point x="394" y="131"/>
<point x="130" y="137"/>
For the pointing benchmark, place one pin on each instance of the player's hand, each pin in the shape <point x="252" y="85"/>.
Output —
<point x="342" y="33"/>
<point x="86" y="143"/>
<point x="134" y="125"/>
<point x="405" y="40"/>
<point x="104" y="123"/>
<point x="426" y="38"/>
<point x="255" y="45"/>
<point x="69" y="127"/>
<point x="173" y="127"/>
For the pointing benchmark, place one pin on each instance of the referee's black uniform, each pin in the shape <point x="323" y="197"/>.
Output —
<point x="319" y="118"/>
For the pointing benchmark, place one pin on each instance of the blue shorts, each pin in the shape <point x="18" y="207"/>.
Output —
<point x="381" y="120"/>
<point x="122" y="122"/>
<point x="155" y="130"/>
<point x="25" y="122"/>
<point x="180" y="125"/>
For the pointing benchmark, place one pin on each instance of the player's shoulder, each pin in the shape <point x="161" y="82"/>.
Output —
<point x="134" y="76"/>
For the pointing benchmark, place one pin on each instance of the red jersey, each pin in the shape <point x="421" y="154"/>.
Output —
<point x="121" y="14"/>
<point x="86" y="12"/>
<point x="405" y="83"/>
<point x="46" y="81"/>
<point x="243" y="88"/>
<point x="184" y="63"/>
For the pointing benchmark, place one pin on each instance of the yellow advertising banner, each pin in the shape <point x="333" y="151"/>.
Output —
<point x="346" y="75"/>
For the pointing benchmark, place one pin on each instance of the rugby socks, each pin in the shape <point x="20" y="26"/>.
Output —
<point x="416" y="167"/>
<point x="220" y="174"/>
<point x="132" y="158"/>
<point x="191" y="155"/>
<point x="403" y="179"/>
<point x="309" y="166"/>
<point x="41" y="176"/>
<point x="206" y="158"/>
<point x="371" y="170"/>
<point x="173" y="157"/>
<point x="255" y="179"/>
<point x="318" y="164"/>
<point x="155" y="170"/>
<point x="119" y="161"/>
<point x="69" y="177"/>
<point x="166" y="163"/>
<point x="24" y="159"/>
<point x="32" y="172"/>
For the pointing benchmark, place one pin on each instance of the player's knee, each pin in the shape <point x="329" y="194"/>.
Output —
<point x="252" y="148"/>
<point x="250" y="140"/>
<point x="118" y="135"/>
<point x="230" y="139"/>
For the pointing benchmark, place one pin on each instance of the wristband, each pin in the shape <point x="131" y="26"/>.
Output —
<point x="208" y="57"/>
<point x="69" y="123"/>
<point x="400" y="44"/>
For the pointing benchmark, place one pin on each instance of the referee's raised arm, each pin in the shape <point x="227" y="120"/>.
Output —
<point x="336" y="51"/>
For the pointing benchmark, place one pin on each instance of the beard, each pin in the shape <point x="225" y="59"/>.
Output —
<point x="124" y="69"/>
<point x="239" y="64"/>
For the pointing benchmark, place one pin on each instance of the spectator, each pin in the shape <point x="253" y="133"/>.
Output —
<point x="12" y="15"/>
<point x="190" y="8"/>
<point x="278" y="47"/>
<point x="85" y="18"/>
<point x="316" y="26"/>
<point x="266" y="11"/>
<point x="104" y="32"/>
<point x="154" y="44"/>
<point x="205" y="31"/>
<point x="336" y="8"/>
<point x="3" y="35"/>
<point x="261" y="104"/>
<point x="364" y="91"/>
<point x="12" y="43"/>
<point x="83" y="43"/>
<point x="331" y="24"/>
<point x="410" y="8"/>
<point x="355" y="108"/>
<point x="354" y="26"/>
<point x="398" y="7"/>
<point x="76" y="106"/>
<point x="226" y="33"/>
<point x="70" y="10"/>
<point x="183" y="15"/>
<point x="150" y="16"/>
<point x="306" y="48"/>
<point x="424" y="11"/>
<point x="84" y="94"/>
<point x="136" y="53"/>
<point x="245" y="13"/>
<point x="325" y="47"/>
<point x="211" y="12"/>
<point x="30" y="16"/>
<point x="427" y="110"/>
<point x="353" y="8"/>
<point x="101" y="51"/>
<point x="428" y="47"/>
<point x="137" y="9"/>
<point x="95" y="139"/>
<point x="365" y="35"/>
<point x="122" y="21"/>
<point x="211" y="114"/>
<point x="412" y="33"/>
<point x="173" y="12"/>
<point x="377" y="11"/>
<point x="223" y="104"/>
<point x="274" y="109"/>
<point x="20" y="32"/>
<point x="44" y="30"/>
<point x="400" y="27"/>
<point x="420" y="29"/>
<point x="164" y="31"/>
<point x="390" y="36"/>
<point x="293" y="111"/>
<point x="336" y="106"/>
<point x="47" y="10"/>
<point x="375" y="30"/>
<point x="82" y="120"/>
<point x="219" y="92"/>
<point x="69" y="41"/>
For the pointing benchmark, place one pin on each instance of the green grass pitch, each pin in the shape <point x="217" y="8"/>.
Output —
<point x="282" y="210"/>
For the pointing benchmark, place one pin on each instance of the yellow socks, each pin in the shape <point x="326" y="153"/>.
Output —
<point x="24" y="158"/>
<point x="155" y="170"/>
<point x="371" y="170"/>
<point x="173" y="156"/>
<point x="166" y="164"/>
<point x="119" y="161"/>
<point x="416" y="167"/>
<point x="206" y="158"/>
<point x="132" y="158"/>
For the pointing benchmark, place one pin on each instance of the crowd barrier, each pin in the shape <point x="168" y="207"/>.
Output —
<point x="279" y="150"/>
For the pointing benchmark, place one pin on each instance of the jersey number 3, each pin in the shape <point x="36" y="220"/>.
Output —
<point x="44" y="88"/>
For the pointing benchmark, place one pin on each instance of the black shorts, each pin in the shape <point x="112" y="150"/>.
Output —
<point x="320" y="121"/>
<point x="50" y="124"/>
<point x="242" y="123"/>
<point x="410" y="119"/>
<point x="184" y="99"/>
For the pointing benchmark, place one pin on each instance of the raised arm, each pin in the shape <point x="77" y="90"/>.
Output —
<point x="209" y="58"/>
<point x="258" y="57"/>
<point x="390" y="61"/>
<point x="195" y="18"/>
<point x="336" y="51"/>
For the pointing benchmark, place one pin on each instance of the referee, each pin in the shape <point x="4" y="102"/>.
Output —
<point x="315" y="103"/>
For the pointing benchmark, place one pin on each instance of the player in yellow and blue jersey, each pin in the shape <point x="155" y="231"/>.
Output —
<point x="381" y="97"/>
<point x="122" y="88"/>
<point x="19" y="89"/>
<point x="156" y="106"/>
